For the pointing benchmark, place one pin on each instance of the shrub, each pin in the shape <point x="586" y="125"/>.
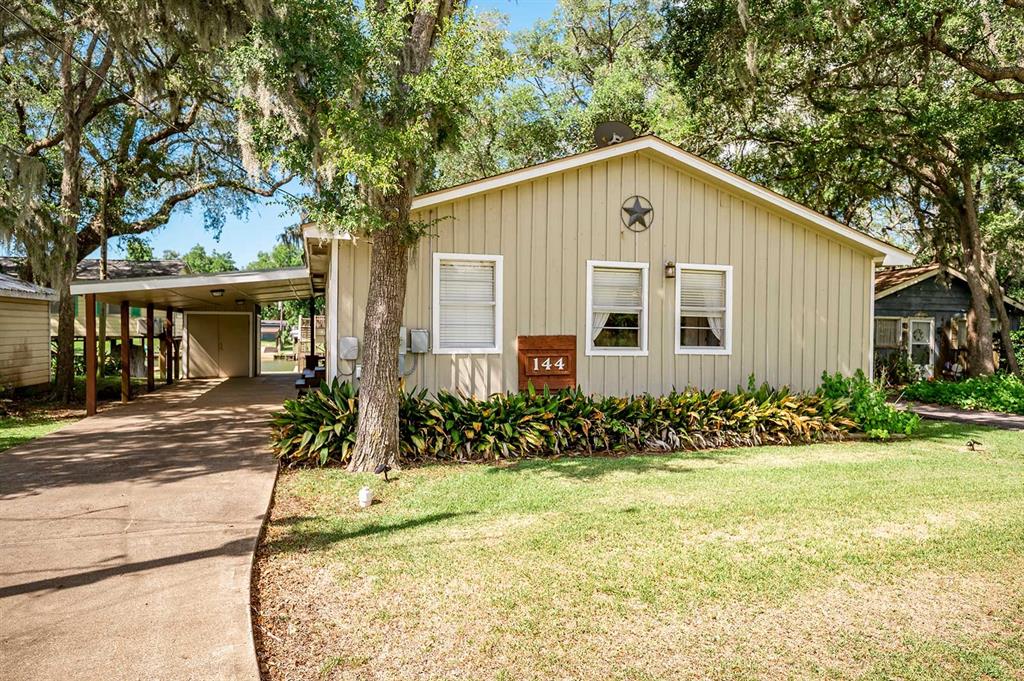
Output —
<point x="1017" y="341"/>
<point x="320" y="427"/>
<point x="868" y="408"/>
<point x="1002" y="392"/>
<point x="895" y="368"/>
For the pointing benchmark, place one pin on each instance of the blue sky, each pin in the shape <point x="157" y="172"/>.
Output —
<point x="258" y="231"/>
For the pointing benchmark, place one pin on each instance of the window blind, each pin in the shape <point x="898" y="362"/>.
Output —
<point x="617" y="290"/>
<point x="702" y="308"/>
<point x="467" y="302"/>
<point x="702" y="292"/>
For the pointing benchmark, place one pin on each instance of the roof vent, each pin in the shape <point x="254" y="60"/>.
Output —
<point x="612" y="132"/>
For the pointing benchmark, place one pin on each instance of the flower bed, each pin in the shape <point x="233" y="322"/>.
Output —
<point x="319" y="428"/>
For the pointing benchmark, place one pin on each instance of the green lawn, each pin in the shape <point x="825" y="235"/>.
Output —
<point x="855" y="560"/>
<point x="15" y="431"/>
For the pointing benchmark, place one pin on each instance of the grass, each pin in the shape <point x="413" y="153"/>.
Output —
<point x="848" y="560"/>
<point x="18" y="430"/>
<point x="268" y="365"/>
<point x="32" y="413"/>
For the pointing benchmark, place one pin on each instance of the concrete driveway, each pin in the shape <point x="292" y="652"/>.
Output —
<point x="126" y="539"/>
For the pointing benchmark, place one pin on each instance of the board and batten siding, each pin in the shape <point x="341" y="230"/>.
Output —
<point x="24" y="342"/>
<point x="801" y="299"/>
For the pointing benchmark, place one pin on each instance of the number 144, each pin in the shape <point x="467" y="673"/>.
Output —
<point x="547" y="364"/>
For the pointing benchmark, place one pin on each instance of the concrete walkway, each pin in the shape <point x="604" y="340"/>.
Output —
<point x="992" y="419"/>
<point x="126" y="539"/>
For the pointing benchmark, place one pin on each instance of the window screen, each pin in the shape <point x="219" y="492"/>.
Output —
<point x="468" y="305"/>
<point x="703" y="315"/>
<point x="617" y="307"/>
<point x="887" y="333"/>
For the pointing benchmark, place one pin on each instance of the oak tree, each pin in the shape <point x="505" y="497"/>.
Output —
<point x="899" y="116"/>
<point x="114" y="114"/>
<point x="357" y="99"/>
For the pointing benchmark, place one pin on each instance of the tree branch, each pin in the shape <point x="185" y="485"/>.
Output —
<point x="55" y="139"/>
<point x="987" y="72"/>
<point x="89" y="237"/>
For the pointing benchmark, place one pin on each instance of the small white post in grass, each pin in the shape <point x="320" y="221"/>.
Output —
<point x="365" y="497"/>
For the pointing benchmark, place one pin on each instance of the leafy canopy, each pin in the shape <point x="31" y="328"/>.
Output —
<point x="592" y="61"/>
<point x="857" y="109"/>
<point x="323" y="94"/>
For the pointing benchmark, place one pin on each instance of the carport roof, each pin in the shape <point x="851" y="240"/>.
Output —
<point x="195" y="292"/>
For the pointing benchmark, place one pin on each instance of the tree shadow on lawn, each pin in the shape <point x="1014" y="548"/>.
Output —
<point x="316" y="540"/>
<point x="594" y="466"/>
<point x="953" y="432"/>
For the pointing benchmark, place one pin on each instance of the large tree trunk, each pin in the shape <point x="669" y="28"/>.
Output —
<point x="980" y="361"/>
<point x="999" y="307"/>
<point x="377" y="433"/>
<point x="65" y="244"/>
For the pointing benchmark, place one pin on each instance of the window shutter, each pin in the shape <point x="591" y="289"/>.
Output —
<point x="617" y="289"/>
<point x="467" y="301"/>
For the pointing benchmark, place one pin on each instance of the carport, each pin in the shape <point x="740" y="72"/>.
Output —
<point x="221" y="315"/>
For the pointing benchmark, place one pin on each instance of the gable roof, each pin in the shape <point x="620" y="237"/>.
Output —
<point x="703" y="168"/>
<point x="11" y="287"/>
<point x="890" y="277"/>
<point x="889" y="280"/>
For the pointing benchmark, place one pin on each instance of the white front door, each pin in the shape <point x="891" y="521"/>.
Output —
<point x="922" y="346"/>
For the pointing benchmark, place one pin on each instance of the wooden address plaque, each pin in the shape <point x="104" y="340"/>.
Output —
<point x="547" y="361"/>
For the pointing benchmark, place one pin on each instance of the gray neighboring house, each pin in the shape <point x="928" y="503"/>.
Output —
<point x="922" y="311"/>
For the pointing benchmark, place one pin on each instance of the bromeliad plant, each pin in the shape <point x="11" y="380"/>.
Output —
<point x="319" y="428"/>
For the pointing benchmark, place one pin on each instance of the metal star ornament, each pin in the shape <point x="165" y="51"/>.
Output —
<point x="637" y="214"/>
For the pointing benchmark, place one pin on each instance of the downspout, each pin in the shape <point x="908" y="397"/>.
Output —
<point x="871" y="317"/>
<point x="330" y="314"/>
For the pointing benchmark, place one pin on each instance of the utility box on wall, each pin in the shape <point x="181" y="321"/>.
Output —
<point x="547" y="361"/>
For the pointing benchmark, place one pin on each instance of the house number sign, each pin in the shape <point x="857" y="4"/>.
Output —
<point x="547" y="361"/>
<point x="543" y="365"/>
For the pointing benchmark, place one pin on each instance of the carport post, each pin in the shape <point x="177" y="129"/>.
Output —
<point x="169" y="328"/>
<point x="150" y="382"/>
<point x="126" y="356"/>
<point x="176" y="351"/>
<point x="312" y="325"/>
<point x="90" y="354"/>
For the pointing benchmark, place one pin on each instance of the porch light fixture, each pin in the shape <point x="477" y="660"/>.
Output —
<point x="670" y="269"/>
<point x="216" y="292"/>
<point x="239" y="301"/>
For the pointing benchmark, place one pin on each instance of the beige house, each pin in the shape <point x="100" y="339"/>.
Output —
<point x="635" y="267"/>
<point x="24" y="333"/>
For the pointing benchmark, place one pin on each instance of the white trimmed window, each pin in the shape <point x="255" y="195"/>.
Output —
<point x="888" y="332"/>
<point x="467" y="304"/>
<point x="616" y="308"/>
<point x="703" y="309"/>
